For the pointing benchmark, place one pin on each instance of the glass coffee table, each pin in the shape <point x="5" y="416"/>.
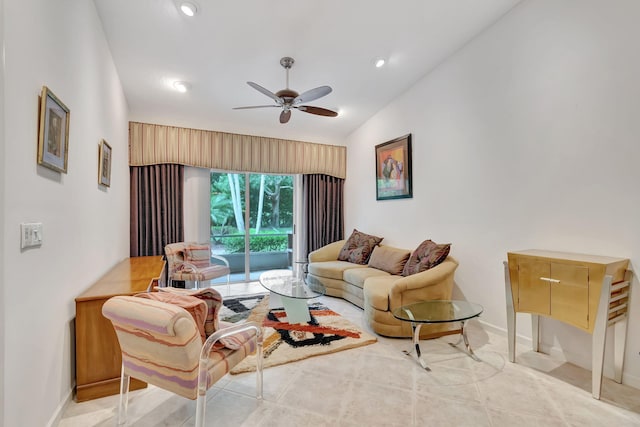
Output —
<point x="291" y="292"/>
<point x="439" y="311"/>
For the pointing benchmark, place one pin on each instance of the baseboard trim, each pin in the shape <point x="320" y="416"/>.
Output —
<point x="57" y="414"/>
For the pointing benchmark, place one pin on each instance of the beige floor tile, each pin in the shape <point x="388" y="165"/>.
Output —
<point x="385" y="371"/>
<point x="227" y="409"/>
<point x="377" y="385"/>
<point x="517" y="391"/>
<point x="274" y="382"/>
<point x="509" y="419"/>
<point x="376" y="405"/>
<point x="439" y="412"/>
<point x="273" y="415"/>
<point x="317" y="393"/>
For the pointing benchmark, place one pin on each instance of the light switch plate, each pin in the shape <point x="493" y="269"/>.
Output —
<point x="30" y="234"/>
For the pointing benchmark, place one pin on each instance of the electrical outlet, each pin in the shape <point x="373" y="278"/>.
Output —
<point x="30" y="234"/>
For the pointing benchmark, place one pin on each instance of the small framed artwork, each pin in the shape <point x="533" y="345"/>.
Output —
<point x="393" y="169"/>
<point x="53" y="133"/>
<point x="104" y="163"/>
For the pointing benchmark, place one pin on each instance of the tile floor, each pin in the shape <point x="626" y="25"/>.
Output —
<point x="377" y="385"/>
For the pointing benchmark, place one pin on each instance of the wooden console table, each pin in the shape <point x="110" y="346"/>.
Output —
<point x="586" y="291"/>
<point x="98" y="356"/>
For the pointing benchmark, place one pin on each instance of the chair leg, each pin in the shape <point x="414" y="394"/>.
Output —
<point x="201" y="401"/>
<point x="124" y="397"/>
<point x="259" y="369"/>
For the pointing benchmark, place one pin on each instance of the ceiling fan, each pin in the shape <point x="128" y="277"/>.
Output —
<point x="288" y="99"/>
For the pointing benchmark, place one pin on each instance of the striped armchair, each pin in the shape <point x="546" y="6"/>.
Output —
<point x="161" y="344"/>
<point x="192" y="261"/>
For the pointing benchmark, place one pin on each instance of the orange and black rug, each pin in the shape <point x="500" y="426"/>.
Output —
<point x="284" y="342"/>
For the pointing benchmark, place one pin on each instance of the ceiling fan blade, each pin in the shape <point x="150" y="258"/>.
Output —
<point x="266" y="92"/>
<point x="285" y="116"/>
<point x="254" y="106"/>
<point x="317" y="110"/>
<point x="312" y="95"/>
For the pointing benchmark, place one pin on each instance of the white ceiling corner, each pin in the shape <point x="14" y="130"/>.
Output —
<point x="334" y="42"/>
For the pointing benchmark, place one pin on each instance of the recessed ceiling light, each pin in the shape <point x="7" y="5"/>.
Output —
<point x="181" y="86"/>
<point x="379" y="62"/>
<point x="188" y="8"/>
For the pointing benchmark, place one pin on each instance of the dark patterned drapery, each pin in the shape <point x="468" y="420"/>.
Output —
<point x="157" y="193"/>
<point x="323" y="210"/>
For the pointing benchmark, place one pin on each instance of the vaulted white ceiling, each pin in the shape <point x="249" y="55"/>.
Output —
<point x="334" y="42"/>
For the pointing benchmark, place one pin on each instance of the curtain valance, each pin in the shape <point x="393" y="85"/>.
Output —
<point x="151" y="144"/>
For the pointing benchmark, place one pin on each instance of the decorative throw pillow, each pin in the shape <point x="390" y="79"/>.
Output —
<point x="358" y="247"/>
<point x="391" y="260"/>
<point x="427" y="255"/>
<point x="196" y="307"/>
<point x="198" y="255"/>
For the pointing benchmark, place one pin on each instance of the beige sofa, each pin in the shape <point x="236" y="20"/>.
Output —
<point x="378" y="291"/>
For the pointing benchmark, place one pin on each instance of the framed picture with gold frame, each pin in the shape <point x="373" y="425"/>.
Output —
<point x="104" y="163"/>
<point x="53" y="133"/>
<point x="393" y="169"/>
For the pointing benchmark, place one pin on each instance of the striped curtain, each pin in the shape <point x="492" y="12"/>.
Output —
<point x="151" y="144"/>
<point x="323" y="210"/>
<point x="156" y="208"/>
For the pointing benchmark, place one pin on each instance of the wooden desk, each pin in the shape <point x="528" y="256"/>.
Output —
<point x="98" y="357"/>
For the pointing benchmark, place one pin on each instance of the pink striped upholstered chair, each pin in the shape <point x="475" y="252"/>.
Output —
<point x="192" y="261"/>
<point x="162" y="345"/>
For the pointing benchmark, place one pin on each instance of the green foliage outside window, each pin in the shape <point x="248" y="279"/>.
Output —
<point x="259" y="243"/>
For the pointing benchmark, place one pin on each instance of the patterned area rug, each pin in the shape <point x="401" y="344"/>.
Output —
<point x="236" y="309"/>
<point x="327" y="332"/>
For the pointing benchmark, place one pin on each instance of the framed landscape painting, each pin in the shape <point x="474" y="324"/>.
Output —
<point x="53" y="135"/>
<point x="393" y="169"/>
<point x="104" y="163"/>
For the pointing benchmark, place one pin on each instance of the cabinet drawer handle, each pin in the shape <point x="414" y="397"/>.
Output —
<point x="547" y="279"/>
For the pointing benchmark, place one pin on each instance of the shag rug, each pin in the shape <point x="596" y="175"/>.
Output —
<point x="236" y="309"/>
<point x="327" y="332"/>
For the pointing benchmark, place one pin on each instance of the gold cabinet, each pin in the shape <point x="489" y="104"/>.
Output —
<point x="589" y="292"/>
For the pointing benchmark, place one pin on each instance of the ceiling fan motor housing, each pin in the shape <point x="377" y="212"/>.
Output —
<point x="287" y="94"/>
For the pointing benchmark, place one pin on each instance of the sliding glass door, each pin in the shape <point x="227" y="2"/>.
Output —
<point x="252" y="217"/>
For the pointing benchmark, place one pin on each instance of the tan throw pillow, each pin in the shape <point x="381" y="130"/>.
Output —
<point x="358" y="247"/>
<point x="426" y="256"/>
<point x="391" y="260"/>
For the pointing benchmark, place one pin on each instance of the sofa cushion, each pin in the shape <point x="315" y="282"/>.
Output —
<point x="377" y="290"/>
<point x="391" y="260"/>
<point x="358" y="247"/>
<point x="357" y="276"/>
<point x="427" y="255"/>
<point x="332" y="269"/>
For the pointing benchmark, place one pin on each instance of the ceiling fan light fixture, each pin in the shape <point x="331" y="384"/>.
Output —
<point x="188" y="8"/>
<point x="181" y="86"/>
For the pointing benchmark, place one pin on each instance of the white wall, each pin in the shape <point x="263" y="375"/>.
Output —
<point x="197" y="216"/>
<point x="525" y="138"/>
<point x="3" y="319"/>
<point x="86" y="227"/>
